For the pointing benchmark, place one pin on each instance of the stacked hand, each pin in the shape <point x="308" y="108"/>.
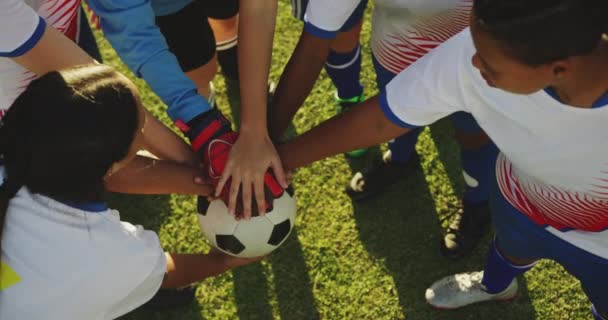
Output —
<point x="220" y="147"/>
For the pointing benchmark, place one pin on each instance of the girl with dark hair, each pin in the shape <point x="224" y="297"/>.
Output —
<point x="534" y="74"/>
<point x="64" y="253"/>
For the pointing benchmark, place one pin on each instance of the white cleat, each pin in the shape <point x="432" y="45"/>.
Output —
<point x="462" y="289"/>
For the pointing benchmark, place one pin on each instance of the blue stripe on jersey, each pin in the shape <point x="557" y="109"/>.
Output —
<point x="602" y="101"/>
<point x="30" y="43"/>
<point x="318" y="32"/>
<point x="388" y="112"/>
<point x="87" y="206"/>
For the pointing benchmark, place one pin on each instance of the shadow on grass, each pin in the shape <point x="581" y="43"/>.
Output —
<point x="146" y="210"/>
<point x="402" y="227"/>
<point x="291" y="284"/>
<point x="251" y="292"/>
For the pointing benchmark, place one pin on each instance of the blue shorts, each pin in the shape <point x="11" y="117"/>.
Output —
<point x="298" y="9"/>
<point x="518" y="236"/>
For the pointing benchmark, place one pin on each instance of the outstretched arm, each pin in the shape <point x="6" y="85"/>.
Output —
<point x="145" y="175"/>
<point x="130" y="27"/>
<point x="29" y="41"/>
<point x="54" y="51"/>
<point x="358" y="128"/>
<point x="185" y="269"/>
<point x="297" y="81"/>
<point x="253" y="153"/>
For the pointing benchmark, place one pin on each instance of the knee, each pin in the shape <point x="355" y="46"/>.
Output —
<point x="347" y="41"/>
<point x="202" y="75"/>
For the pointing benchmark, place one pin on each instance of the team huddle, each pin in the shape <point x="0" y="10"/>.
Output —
<point x="524" y="83"/>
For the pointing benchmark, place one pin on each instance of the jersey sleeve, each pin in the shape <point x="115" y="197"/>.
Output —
<point x="143" y="292"/>
<point x="324" y="18"/>
<point x="20" y="28"/>
<point x="130" y="27"/>
<point x="433" y="87"/>
<point x="143" y="265"/>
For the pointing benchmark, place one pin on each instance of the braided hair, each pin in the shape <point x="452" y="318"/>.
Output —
<point x="538" y="32"/>
<point x="63" y="133"/>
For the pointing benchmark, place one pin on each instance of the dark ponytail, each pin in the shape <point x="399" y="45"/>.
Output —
<point x="63" y="133"/>
<point x="538" y="32"/>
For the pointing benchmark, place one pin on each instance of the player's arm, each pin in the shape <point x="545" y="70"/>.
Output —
<point x="185" y="269"/>
<point x="358" y="128"/>
<point x="253" y="152"/>
<point x="165" y="144"/>
<point x="297" y="81"/>
<point x="145" y="175"/>
<point x="54" y="51"/>
<point x="28" y="40"/>
<point x="434" y="87"/>
<point x="129" y="25"/>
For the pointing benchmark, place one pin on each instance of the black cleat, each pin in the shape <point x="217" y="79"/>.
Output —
<point x="378" y="176"/>
<point x="466" y="230"/>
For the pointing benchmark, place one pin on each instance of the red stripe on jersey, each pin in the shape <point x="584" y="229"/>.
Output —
<point x="551" y="205"/>
<point x="395" y="52"/>
<point x="62" y="15"/>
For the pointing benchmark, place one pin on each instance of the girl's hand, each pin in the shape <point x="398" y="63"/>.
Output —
<point x="250" y="158"/>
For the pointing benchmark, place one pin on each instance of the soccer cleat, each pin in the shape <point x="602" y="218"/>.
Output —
<point x="343" y="106"/>
<point x="463" y="289"/>
<point x="378" y="176"/>
<point x="466" y="230"/>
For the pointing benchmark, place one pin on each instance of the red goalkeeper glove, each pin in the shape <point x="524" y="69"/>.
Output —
<point x="211" y="137"/>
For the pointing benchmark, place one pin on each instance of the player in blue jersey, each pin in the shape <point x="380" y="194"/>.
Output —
<point x="155" y="39"/>
<point x="402" y="32"/>
<point x="534" y="74"/>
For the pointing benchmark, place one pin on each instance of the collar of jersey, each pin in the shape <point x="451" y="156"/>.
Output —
<point x="602" y="101"/>
<point x="87" y="206"/>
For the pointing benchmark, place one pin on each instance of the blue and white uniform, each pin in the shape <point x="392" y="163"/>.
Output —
<point x="550" y="199"/>
<point x="402" y="30"/>
<point x="22" y="24"/>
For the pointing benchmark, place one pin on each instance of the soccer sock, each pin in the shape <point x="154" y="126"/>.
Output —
<point x="596" y="314"/>
<point x="227" y="57"/>
<point x="499" y="272"/>
<point x="403" y="146"/>
<point x="478" y="165"/>
<point x="344" y="69"/>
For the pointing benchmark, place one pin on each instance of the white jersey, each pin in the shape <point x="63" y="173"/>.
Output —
<point x="402" y="30"/>
<point x="22" y="24"/>
<point x="60" y="263"/>
<point x="405" y="30"/>
<point x="553" y="164"/>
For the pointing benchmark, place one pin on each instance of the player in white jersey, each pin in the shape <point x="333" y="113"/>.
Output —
<point x="35" y="38"/>
<point x="33" y="49"/>
<point x="65" y="254"/>
<point x="535" y="77"/>
<point x="402" y="32"/>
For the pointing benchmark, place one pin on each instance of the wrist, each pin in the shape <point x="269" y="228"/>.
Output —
<point x="257" y="129"/>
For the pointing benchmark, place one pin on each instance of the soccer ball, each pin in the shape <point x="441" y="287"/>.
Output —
<point x="255" y="237"/>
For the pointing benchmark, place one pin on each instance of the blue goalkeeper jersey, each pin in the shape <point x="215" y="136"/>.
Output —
<point x="130" y="27"/>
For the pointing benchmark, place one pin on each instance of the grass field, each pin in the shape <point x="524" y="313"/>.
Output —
<point x="345" y="260"/>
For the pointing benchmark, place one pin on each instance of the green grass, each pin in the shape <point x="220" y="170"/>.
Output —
<point x="345" y="260"/>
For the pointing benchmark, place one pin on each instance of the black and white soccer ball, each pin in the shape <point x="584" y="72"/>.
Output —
<point x="255" y="237"/>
